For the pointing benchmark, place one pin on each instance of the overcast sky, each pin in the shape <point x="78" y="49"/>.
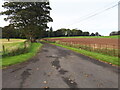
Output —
<point x="73" y="13"/>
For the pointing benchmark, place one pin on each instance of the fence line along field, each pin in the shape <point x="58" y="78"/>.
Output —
<point x="12" y="47"/>
<point x="107" y="46"/>
<point x="12" y="44"/>
<point x="17" y="51"/>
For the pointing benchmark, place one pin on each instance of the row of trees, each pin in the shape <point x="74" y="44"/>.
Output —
<point x="69" y="32"/>
<point x="10" y="32"/>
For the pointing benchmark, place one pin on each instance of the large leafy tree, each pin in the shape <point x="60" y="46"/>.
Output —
<point x="30" y="18"/>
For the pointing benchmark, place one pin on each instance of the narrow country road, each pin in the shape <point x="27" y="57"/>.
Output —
<point x="56" y="67"/>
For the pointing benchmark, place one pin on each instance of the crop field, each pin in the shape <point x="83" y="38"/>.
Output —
<point x="107" y="46"/>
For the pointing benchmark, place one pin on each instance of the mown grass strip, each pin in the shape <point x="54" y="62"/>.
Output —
<point x="7" y="61"/>
<point x="105" y="58"/>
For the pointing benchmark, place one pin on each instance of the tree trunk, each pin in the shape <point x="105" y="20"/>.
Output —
<point x="8" y="39"/>
<point x="32" y="40"/>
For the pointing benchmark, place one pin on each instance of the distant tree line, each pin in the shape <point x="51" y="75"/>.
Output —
<point x="11" y="32"/>
<point x="69" y="32"/>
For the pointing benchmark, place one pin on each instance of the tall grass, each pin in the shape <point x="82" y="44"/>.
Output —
<point x="17" y="49"/>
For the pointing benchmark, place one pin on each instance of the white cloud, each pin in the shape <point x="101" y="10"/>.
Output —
<point x="67" y="12"/>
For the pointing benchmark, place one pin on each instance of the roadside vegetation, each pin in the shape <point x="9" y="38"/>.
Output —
<point x="17" y="51"/>
<point x="98" y="56"/>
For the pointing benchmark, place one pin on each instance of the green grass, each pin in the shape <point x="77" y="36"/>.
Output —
<point x="105" y="58"/>
<point x="7" y="61"/>
<point x="114" y="37"/>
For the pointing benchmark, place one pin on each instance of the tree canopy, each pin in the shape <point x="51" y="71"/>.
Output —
<point x="30" y="18"/>
<point x="115" y="33"/>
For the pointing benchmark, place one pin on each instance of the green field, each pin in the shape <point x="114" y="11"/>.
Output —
<point x="12" y="46"/>
<point x="114" y="37"/>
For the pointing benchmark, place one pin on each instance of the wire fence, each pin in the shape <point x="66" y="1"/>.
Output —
<point x="108" y="49"/>
<point x="21" y="49"/>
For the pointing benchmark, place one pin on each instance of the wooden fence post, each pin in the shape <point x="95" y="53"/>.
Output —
<point x="93" y="47"/>
<point x="100" y="48"/>
<point x="3" y="49"/>
<point x="106" y="49"/>
<point x="90" y="46"/>
<point x="25" y="44"/>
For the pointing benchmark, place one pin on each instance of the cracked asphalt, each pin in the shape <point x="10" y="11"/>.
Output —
<point x="57" y="67"/>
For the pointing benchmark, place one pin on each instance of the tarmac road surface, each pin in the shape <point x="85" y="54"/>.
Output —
<point x="56" y="67"/>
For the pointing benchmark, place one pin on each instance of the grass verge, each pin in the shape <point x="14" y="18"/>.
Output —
<point x="104" y="58"/>
<point x="7" y="61"/>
